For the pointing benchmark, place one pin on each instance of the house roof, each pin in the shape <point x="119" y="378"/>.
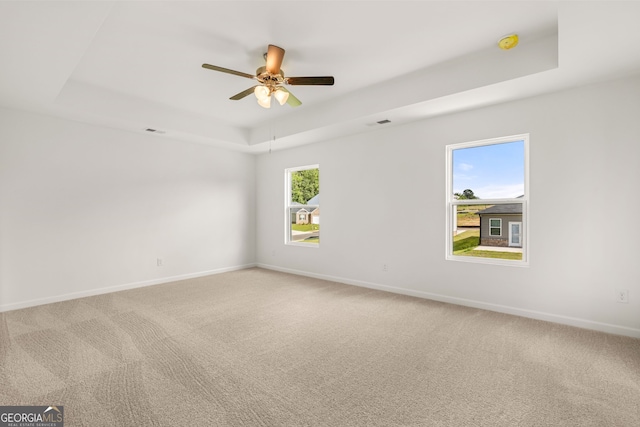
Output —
<point x="510" y="208"/>
<point x="315" y="200"/>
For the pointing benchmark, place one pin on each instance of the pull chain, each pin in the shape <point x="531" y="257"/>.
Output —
<point x="273" y="134"/>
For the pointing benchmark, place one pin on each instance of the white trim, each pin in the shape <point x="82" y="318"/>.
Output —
<point x="117" y="288"/>
<point x="490" y="261"/>
<point x="304" y="245"/>
<point x="302" y="168"/>
<point x="522" y="312"/>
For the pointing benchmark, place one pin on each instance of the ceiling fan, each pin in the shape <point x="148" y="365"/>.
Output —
<point x="272" y="79"/>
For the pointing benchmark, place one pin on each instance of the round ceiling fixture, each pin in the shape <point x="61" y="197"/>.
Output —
<point x="508" y="42"/>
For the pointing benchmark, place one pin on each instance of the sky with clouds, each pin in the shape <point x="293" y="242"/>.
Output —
<point x="491" y="171"/>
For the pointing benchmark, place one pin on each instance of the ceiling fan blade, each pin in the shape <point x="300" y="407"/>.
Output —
<point x="292" y="100"/>
<point x="274" y="59"/>
<point x="244" y="93"/>
<point x="321" y="81"/>
<point x="228" y="71"/>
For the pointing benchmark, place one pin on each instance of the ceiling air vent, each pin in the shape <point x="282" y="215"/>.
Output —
<point x="155" y="131"/>
<point x="381" y="122"/>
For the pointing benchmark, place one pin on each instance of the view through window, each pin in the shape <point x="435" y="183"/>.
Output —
<point x="302" y="214"/>
<point x="487" y="200"/>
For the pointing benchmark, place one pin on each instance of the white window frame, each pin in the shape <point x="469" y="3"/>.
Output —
<point x="499" y="227"/>
<point x="452" y="203"/>
<point x="288" y="206"/>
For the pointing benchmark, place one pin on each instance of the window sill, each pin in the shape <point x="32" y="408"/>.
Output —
<point x="306" y="245"/>
<point x="491" y="261"/>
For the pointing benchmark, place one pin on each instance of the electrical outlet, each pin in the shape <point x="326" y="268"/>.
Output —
<point x="159" y="261"/>
<point x="273" y="252"/>
<point x="622" y="295"/>
<point x="385" y="267"/>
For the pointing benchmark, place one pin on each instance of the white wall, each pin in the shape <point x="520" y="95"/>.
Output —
<point x="584" y="154"/>
<point x="87" y="209"/>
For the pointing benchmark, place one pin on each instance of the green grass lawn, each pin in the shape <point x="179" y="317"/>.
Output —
<point x="464" y="244"/>
<point x="305" y="227"/>
<point x="466" y="241"/>
<point x="312" y="240"/>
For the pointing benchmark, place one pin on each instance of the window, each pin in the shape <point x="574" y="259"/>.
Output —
<point x="495" y="227"/>
<point x="302" y="210"/>
<point x="487" y="201"/>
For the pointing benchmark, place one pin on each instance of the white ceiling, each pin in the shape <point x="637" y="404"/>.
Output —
<point x="137" y="65"/>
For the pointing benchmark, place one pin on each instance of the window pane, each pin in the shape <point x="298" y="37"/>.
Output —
<point x="305" y="227"/>
<point x="304" y="205"/>
<point x="493" y="171"/>
<point x="496" y="238"/>
<point x="305" y="185"/>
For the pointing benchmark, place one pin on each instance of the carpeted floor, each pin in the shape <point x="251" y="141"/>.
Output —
<point x="262" y="348"/>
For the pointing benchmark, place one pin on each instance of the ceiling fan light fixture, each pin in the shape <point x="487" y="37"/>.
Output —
<point x="281" y="95"/>
<point x="265" y="102"/>
<point x="262" y="93"/>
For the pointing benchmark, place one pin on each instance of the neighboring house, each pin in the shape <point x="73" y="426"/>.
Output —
<point x="315" y="214"/>
<point x="501" y="225"/>
<point x="302" y="216"/>
<point x="307" y="214"/>
<point x="295" y="218"/>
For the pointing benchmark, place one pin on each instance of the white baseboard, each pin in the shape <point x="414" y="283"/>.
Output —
<point x="109" y="289"/>
<point x="532" y="314"/>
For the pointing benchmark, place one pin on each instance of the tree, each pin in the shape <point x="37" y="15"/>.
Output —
<point x="466" y="195"/>
<point x="304" y="185"/>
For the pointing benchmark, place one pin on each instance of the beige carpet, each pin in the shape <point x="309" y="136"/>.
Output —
<point x="261" y="348"/>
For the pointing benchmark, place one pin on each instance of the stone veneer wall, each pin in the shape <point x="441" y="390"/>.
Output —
<point x="492" y="241"/>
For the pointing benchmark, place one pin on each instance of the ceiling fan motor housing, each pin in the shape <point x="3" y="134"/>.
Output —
<point x="263" y="76"/>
